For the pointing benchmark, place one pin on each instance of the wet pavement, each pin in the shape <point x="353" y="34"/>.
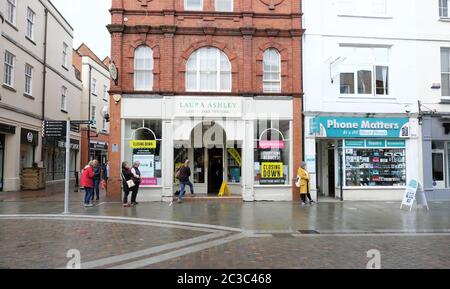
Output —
<point x="34" y="234"/>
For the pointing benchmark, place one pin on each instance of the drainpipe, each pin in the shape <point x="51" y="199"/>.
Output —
<point x="44" y="81"/>
<point x="89" y="114"/>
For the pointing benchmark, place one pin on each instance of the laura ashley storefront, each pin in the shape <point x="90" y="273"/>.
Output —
<point x="245" y="142"/>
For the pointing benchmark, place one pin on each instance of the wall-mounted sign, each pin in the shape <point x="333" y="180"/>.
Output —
<point x="271" y="144"/>
<point x="99" y="145"/>
<point x="272" y="171"/>
<point x="205" y="107"/>
<point x="29" y="137"/>
<point x="9" y="129"/>
<point x="270" y="156"/>
<point x="143" y="144"/>
<point x="370" y="143"/>
<point x="147" y="168"/>
<point x="349" y="127"/>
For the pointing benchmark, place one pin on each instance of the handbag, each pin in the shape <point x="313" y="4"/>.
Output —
<point x="130" y="183"/>
<point x="297" y="182"/>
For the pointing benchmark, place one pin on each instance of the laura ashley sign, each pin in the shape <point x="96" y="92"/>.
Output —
<point x="219" y="107"/>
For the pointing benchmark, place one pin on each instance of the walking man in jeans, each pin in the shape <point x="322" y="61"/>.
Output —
<point x="97" y="179"/>
<point x="183" y="175"/>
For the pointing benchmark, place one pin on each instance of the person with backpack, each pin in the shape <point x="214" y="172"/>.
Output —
<point x="87" y="182"/>
<point x="183" y="175"/>
<point x="127" y="183"/>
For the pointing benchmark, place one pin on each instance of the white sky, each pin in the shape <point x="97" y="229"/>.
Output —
<point x="89" y="19"/>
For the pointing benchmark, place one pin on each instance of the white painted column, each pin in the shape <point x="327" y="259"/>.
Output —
<point x="12" y="162"/>
<point x="167" y="161"/>
<point x="248" y="193"/>
<point x="310" y="151"/>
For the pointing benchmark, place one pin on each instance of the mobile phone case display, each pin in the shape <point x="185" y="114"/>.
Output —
<point x="375" y="167"/>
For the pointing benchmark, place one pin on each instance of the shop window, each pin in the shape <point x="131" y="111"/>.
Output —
<point x="208" y="69"/>
<point x="272" y="152"/>
<point x="199" y="166"/>
<point x="181" y="154"/>
<point x="375" y="167"/>
<point x="143" y="68"/>
<point x="234" y="166"/>
<point x="143" y="142"/>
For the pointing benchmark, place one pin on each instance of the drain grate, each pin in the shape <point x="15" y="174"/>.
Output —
<point x="309" y="232"/>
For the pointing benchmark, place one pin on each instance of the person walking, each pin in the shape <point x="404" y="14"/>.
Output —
<point x="137" y="181"/>
<point x="105" y="174"/>
<point x="126" y="176"/>
<point x="97" y="179"/>
<point x="183" y="175"/>
<point x="87" y="182"/>
<point x="303" y="182"/>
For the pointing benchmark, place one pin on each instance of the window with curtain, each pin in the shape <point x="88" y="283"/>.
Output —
<point x="143" y="68"/>
<point x="208" y="69"/>
<point x="272" y="71"/>
<point x="445" y="71"/>
<point x="224" y="5"/>
<point x="365" y="71"/>
<point x="443" y="8"/>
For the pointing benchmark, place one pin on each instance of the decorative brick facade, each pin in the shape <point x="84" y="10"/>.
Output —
<point x="174" y="34"/>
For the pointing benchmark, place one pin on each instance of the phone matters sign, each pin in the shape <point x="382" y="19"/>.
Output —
<point x="349" y="127"/>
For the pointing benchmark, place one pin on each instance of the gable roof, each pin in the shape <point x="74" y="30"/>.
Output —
<point x="84" y="50"/>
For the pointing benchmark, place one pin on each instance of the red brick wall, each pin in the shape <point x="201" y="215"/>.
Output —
<point x="174" y="34"/>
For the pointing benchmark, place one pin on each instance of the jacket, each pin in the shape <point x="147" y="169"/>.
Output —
<point x="87" y="177"/>
<point x="185" y="173"/>
<point x="304" y="181"/>
<point x="97" y="173"/>
<point x="126" y="176"/>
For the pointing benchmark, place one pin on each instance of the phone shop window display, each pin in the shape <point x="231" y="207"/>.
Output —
<point x="143" y="143"/>
<point x="272" y="152"/>
<point x="375" y="167"/>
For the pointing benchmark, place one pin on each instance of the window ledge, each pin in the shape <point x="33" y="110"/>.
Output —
<point x="445" y="100"/>
<point x="367" y="16"/>
<point x="28" y="96"/>
<point x="13" y="26"/>
<point x="94" y="94"/>
<point x="64" y="111"/>
<point x="105" y="100"/>
<point x="444" y="19"/>
<point x="364" y="97"/>
<point x="10" y="88"/>
<point x="65" y="68"/>
<point x="31" y="40"/>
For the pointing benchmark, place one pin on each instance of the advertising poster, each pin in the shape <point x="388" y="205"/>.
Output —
<point x="147" y="169"/>
<point x="272" y="173"/>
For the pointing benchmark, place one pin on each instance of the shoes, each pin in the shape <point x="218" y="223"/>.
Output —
<point x="135" y="203"/>
<point x="303" y="204"/>
<point x="88" y="205"/>
<point x="193" y="195"/>
<point x="127" y="205"/>
<point x="179" y="201"/>
<point x="312" y="203"/>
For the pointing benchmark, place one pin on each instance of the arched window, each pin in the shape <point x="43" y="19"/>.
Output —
<point x="208" y="69"/>
<point x="143" y="68"/>
<point x="272" y="71"/>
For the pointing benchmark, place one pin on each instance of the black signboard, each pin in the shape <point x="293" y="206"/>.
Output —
<point x="54" y="129"/>
<point x="99" y="146"/>
<point x="79" y="122"/>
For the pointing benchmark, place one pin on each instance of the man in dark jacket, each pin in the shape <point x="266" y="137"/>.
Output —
<point x="183" y="175"/>
<point x="97" y="177"/>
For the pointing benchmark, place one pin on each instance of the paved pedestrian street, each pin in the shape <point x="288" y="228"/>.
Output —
<point x="203" y="235"/>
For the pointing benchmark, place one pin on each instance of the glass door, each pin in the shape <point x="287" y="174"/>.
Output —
<point x="438" y="157"/>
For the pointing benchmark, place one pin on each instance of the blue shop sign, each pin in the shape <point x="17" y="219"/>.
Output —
<point x="354" y="127"/>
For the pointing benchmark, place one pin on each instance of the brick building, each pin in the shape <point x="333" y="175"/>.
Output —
<point x="217" y="82"/>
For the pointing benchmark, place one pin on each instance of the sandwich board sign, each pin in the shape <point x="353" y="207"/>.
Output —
<point x="414" y="193"/>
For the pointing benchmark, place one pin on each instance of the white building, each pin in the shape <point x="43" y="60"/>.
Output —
<point x="366" y="62"/>
<point x="95" y="103"/>
<point x="38" y="82"/>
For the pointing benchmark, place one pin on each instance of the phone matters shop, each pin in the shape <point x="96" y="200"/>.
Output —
<point x="356" y="158"/>
<point x="243" y="142"/>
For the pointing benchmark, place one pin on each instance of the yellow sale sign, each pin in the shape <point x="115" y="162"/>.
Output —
<point x="272" y="170"/>
<point x="143" y="144"/>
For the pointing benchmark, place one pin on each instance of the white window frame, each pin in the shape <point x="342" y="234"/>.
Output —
<point x="444" y="11"/>
<point x="137" y="69"/>
<point x="94" y="86"/>
<point x="11" y="9"/>
<point x="267" y="81"/>
<point x="189" y="8"/>
<point x="94" y="115"/>
<point x="31" y="21"/>
<point x="105" y="92"/>
<point x="9" y="63"/>
<point x="218" y="71"/>
<point x="444" y="73"/>
<point x="64" y="98"/>
<point x="230" y="10"/>
<point x="65" y="54"/>
<point x="28" y="79"/>
<point x="104" y="125"/>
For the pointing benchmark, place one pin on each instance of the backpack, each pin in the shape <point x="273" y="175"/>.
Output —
<point x="177" y="175"/>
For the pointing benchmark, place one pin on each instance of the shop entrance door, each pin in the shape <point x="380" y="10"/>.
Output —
<point x="331" y="173"/>
<point x="2" y="150"/>
<point x="438" y="169"/>
<point x="215" y="170"/>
